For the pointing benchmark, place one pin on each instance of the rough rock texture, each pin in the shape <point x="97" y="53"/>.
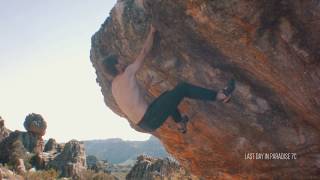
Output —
<point x="71" y="161"/>
<point x="36" y="124"/>
<point x="12" y="149"/>
<point x="148" y="168"/>
<point x="51" y="145"/>
<point x="271" y="48"/>
<point x="16" y="146"/>
<point x="30" y="142"/>
<point x="4" y="132"/>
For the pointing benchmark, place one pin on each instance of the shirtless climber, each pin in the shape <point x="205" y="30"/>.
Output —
<point x="127" y="95"/>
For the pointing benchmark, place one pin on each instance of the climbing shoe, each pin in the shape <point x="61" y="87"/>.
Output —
<point x="227" y="91"/>
<point x="183" y="124"/>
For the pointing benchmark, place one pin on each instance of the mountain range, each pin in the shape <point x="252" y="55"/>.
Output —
<point x="118" y="151"/>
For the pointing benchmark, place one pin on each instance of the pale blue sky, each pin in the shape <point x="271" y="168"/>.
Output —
<point x="45" y="69"/>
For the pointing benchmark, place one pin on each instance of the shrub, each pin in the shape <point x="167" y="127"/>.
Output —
<point x="89" y="174"/>
<point x="41" y="175"/>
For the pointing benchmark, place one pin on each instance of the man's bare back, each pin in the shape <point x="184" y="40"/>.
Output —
<point x="125" y="88"/>
<point x="127" y="94"/>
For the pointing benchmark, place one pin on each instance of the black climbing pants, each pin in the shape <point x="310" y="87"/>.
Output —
<point x="167" y="105"/>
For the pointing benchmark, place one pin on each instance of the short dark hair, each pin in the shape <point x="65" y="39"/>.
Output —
<point x="109" y="64"/>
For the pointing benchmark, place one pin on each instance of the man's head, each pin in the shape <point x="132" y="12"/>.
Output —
<point x="113" y="66"/>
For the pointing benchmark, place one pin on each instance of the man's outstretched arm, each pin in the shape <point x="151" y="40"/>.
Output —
<point x="134" y="67"/>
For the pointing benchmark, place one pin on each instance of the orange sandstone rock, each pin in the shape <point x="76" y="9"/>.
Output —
<point x="271" y="48"/>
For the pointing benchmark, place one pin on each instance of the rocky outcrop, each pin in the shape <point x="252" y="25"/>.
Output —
<point x="19" y="147"/>
<point x="96" y="165"/>
<point x="272" y="50"/>
<point x="4" y="132"/>
<point x="25" y="149"/>
<point x="71" y="161"/>
<point x="31" y="140"/>
<point x="35" y="124"/>
<point x="51" y="145"/>
<point x="12" y="148"/>
<point x="148" y="168"/>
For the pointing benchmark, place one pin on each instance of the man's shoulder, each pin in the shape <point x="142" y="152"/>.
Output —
<point x="115" y="82"/>
<point x="119" y="78"/>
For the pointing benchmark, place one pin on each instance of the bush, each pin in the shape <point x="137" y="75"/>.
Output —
<point x="89" y="174"/>
<point x="41" y="175"/>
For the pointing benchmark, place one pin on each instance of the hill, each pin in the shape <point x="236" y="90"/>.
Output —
<point x="119" y="151"/>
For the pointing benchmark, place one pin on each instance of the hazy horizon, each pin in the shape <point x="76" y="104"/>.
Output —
<point x="45" y="69"/>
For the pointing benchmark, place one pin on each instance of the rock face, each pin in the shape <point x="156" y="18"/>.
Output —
<point x="148" y="168"/>
<point x="4" y="132"/>
<point x="12" y="148"/>
<point x="71" y="161"/>
<point x="271" y="48"/>
<point x="21" y="142"/>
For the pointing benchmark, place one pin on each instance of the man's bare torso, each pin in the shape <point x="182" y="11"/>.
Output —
<point x="127" y="95"/>
<point x="125" y="89"/>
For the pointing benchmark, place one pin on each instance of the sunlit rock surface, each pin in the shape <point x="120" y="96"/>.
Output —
<point x="71" y="161"/>
<point x="149" y="168"/>
<point x="271" y="48"/>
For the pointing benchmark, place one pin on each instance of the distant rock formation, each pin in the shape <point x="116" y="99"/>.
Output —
<point x="35" y="124"/>
<point x="148" y="168"/>
<point x="12" y="148"/>
<point x="17" y="145"/>
<point x="20" y="147"/>
<point x="71" y="161"/>
<point x="4" y="132"/>
<point x="271" y="48"/>
<point x="51" y="145"/>
<point x="97" y="165"/>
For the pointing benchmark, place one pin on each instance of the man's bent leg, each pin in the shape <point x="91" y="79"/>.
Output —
<point x="159" y="110"/>
<point x="166" y="104"/>
<point x="194" y="92"/>
<point x="176" y="115"/>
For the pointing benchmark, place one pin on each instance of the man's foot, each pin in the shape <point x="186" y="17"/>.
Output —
<point x="228" y="90"/>
<point x="183" y="124"/>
